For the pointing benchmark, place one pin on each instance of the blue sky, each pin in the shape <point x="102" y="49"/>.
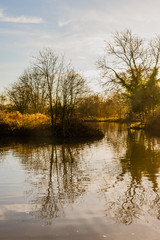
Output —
<point x="76" y="28"/>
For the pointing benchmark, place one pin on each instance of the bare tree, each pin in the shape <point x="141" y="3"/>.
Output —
<point x="35" y="84"/>
<point x="29" y="92"/>
<point x="64" y="85"/>
<point x="19" y="96"/>
<point x="50" y="67"/>
<point x="73" y="88"/>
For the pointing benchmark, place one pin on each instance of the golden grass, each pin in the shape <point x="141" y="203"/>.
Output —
<point x="101" y="119"/>
<point x="17" y="120"/>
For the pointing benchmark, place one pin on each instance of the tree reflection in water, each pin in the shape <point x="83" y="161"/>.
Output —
<point x="63" y="180"/>
<point x="54" y="177"/>
<point x="135" y="195"/>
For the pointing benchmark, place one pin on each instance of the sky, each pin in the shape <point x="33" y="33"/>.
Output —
<point x="76" y="28"/>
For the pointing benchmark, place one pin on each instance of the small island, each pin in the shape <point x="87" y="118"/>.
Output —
<point x="47" y="101"/>
<point x="38" y="125"/>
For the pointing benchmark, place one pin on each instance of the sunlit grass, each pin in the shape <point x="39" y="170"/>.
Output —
<point x="15" y="120"/>
<point x="102" y="119"/>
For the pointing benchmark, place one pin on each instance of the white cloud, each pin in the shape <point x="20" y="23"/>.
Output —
<point x="63" y="23"/>
<point x="20" y="19"/>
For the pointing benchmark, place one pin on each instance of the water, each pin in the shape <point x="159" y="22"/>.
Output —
<point x="107" y="189"/>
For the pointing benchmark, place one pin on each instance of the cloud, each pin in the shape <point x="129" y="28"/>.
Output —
<point x="63" y="23"/>
<point x="20" y="19"/>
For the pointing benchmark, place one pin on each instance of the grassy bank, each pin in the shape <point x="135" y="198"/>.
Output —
<point x="16" y="124"/>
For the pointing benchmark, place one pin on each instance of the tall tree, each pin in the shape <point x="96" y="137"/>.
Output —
<point x="72" y="90"/>
<point x="132" y="64"/>
<point x="50" y="68"/>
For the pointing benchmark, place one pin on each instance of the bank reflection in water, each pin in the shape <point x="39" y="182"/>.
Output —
<point x="135" y="195"/>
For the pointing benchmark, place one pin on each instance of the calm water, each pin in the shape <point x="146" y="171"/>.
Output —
<point x="107" y="189"/>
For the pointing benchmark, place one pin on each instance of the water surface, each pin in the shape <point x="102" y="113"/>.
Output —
<point x="107" y="189"/>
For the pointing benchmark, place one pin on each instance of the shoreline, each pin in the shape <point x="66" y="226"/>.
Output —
<point x="77" y="131"/>
<point x="117" y="120"/>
